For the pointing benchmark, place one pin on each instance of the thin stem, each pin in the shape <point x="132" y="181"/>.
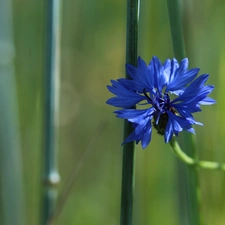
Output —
<point x="193" y="162"/>
<point x="193" y="187"/>
<point x="51" y="175"/>
<point x="128" y="149"/>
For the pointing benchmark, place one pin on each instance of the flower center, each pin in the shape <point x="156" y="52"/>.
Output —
<point x="161" y="103"/>
<point x="162" y="122"/>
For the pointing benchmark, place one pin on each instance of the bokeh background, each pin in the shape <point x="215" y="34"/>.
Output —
<point x="92" y="53"/>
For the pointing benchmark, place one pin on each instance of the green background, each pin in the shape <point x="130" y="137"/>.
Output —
<point x="92" y="53"/>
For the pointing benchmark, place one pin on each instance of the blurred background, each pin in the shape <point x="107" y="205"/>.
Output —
<point x="93" y="53"/>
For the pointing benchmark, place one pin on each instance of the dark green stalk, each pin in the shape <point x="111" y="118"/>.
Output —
<point x="51" y="175"/>
<point x="128" y="172"/>
<point x="11" y="180"/>
<point x="187" y="142"/>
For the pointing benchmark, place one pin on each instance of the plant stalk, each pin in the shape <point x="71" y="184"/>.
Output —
<point x="52" y="80"/>
<point x="128" y="171"/>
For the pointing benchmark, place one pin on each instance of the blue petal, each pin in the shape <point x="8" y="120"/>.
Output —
<point x="191" y="130"/>
<point x="144" y="73"/>
<point x="183" y="122"/>
<point x="159" y="79"/>
<point x="142" y="132"/>
<point x="141" y="125"/>
<point x="132" y="137"/>
<point x="134" y="115"/>
<point x="141" y="120"/>
<point x="131" y="71"/>
<point x="186" y="107"/>
<point x="202" y="93"/>
<point x="182" y="80"/>
<point x="146" y="136"/>
<point x="207" y="101"/>
<point x="182" y="68"/>
<point x="193" y="89"/>
<point x="174" y="66"/>
<point x="132" y="85"/>
<point x="178" y="92"/>
<point x="123" y="102"/>
<point x="169" y="131"/>
<point x="141" y="77"/>
<point x="125" y="98"/>
<point x="166" y="70"/>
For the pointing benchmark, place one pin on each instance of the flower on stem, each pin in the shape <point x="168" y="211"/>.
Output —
<point x="153" y="86"/>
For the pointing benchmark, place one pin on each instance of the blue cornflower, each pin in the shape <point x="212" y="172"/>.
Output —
<point x="154" y="85"/>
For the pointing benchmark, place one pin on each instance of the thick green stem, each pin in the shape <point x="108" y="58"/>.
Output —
<point x="127" y="183"/>
<point x="192" y="179"/>
<point x="128" y="150"/>
<point x="51" y="175"/>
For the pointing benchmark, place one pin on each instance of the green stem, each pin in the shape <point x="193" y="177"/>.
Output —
<point x="193" y="188"/>
<point x="192" y="162"/>
<point x="51" y="175"/>
<point x="128" y="150"/>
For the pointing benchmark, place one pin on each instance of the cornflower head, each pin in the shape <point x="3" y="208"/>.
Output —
<point x="153" y="86"/>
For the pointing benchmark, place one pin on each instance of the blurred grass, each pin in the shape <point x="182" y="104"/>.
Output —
<point x="93" y="52"/>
